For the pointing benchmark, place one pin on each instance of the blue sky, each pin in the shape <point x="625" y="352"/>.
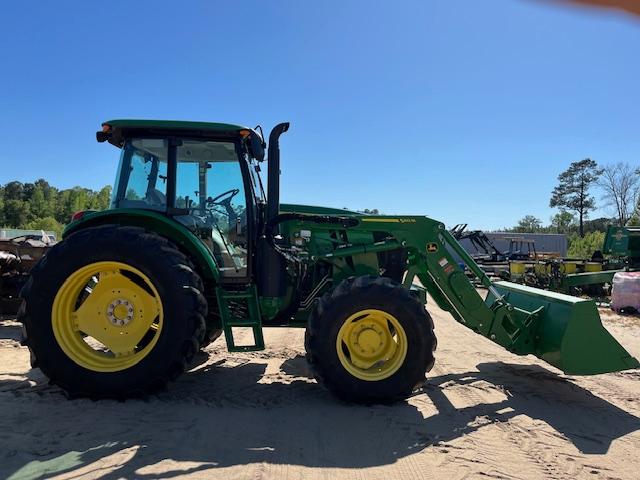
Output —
<point x="465" y="111"/>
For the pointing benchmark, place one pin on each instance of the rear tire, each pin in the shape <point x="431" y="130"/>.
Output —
<point x="211" y="335"/>
<point x="165" y="350"/>
<point x="213" y="322"/>
<point x="368" y="299"/>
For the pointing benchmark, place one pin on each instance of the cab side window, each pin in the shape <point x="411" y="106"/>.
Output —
<point x="143" y="176"/>
<point x="210" y="186"/>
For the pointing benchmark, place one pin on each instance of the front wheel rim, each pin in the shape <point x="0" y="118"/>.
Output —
<point x="107" y="316"/>
<point x="371" y="345"/>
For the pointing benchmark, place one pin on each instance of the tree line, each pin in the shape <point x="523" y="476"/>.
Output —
<point x="619" y="186"/>
<point x="41" y="206"/>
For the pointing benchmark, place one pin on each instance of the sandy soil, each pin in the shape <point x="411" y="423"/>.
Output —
<point x="484" y="413"/>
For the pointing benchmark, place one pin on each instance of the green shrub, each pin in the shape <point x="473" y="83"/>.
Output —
<point x="584" y="247"/>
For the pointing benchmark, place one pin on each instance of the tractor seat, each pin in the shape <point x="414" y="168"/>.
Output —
<point x="220" y="251"/>
<point x="155" y="197"/>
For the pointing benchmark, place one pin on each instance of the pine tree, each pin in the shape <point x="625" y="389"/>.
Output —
<point x="572" y="192"/>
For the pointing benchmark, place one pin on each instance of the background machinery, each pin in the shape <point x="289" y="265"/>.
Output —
<point x="17" y="255"/>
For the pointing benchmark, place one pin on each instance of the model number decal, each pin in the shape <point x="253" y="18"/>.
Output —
<point x="389" y="220"/>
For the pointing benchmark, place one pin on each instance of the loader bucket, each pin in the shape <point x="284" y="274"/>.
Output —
<point x="568" y="332"/>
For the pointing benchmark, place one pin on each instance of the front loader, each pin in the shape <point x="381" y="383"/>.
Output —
<point x="191" y="248"/>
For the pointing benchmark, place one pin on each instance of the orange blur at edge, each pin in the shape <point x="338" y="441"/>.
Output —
<point x="629" y="6"/>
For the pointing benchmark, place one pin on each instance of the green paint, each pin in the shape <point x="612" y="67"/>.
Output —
<point x="567" y="333"/>
<point x="271" y="306"/>
<point x="249" y="300"/>
<point x="623" y="242"/>
<point x="174" y="125"/>
<point x="156" y="222"/>
<point x="564" y="331"/>
<point x="586" y="278"/>
<point x="314" y="210"/>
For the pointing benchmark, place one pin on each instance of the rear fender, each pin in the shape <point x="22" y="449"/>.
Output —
<point x="158" y="223"/>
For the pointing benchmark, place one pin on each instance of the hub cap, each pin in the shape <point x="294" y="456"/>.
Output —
<point x="107" y="316"/>
<point x="120" y="312"/>
<point x="371" y="345"/>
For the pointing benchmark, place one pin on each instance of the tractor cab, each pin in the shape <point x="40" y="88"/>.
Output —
<point x="202" y="175"/>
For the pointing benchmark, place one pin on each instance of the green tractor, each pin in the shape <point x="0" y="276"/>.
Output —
<point x="191" y="249"/>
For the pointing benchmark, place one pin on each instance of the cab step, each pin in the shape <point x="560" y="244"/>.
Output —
<point x="240" y="308"/>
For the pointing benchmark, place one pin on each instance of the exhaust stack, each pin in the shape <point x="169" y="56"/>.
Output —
<point x="273" y="180"/>
<point x="272" y="267"/>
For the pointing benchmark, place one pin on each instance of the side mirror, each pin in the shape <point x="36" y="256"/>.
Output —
<point x="256" y="146"/>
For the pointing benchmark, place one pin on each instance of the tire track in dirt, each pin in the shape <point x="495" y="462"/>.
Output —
<point x="538" y="454"/>
<point x="457" y="404"/>
<point x="615" y="388"/>
<point x="551" y="452"/>
<point x="483" y="413"/>
<point x="550" y="460"/>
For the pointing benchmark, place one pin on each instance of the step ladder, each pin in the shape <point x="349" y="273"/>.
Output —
<point x="240" y="308"/>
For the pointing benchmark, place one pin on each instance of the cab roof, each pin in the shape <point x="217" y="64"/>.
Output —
<point x="115" y="131"/>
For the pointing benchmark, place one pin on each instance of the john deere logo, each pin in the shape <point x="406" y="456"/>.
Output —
<point x="432" y="247"/>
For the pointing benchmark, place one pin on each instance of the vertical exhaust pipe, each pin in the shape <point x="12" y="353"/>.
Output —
<point x="273" y="180"/>
<point x="272" y="266"/>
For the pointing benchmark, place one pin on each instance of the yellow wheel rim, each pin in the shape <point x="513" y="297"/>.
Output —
<point x="371" y="345"/>
<point x="107" y="316"/>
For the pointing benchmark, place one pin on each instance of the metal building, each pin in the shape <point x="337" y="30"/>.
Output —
<point x="544" y="242"/>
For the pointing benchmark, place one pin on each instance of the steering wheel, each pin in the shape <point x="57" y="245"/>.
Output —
<point x="224" y="200"/>
<point x="221" y="200"/>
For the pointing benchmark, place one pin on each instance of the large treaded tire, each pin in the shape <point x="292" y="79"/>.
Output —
<point x="213" y="322"/>
<point x="349" y="297"/>
<point x="180" y="289"/>
<point x="210" y="336"/>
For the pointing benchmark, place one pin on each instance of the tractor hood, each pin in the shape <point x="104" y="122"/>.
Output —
<point x="315" y="210"/>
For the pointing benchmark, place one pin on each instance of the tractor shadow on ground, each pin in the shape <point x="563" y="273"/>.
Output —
<point x="226" y="415"/>
<point x="9" y="328"/>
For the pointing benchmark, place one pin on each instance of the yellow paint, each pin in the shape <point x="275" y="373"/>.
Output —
<point x="517" y="268"/>
<point x="540" y="268"/>
<point x="389" y="220"/>
<point x="120" y="312"/>
<point x="117" y="312"/>
<point x="593" y="267"/>
<point x="371" y="345"/>
<point x="383" y="220"/>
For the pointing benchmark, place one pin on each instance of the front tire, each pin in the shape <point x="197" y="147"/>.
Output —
<point x="113" y="312"/>
<point x="370" y="341"/>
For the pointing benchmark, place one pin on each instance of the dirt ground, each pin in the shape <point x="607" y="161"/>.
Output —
<point x="484" y="413"/>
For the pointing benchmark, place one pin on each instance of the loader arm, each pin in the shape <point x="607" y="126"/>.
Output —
<point x="564" y="331"/>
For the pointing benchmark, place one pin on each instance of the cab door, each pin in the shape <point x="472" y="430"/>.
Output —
<point x="210" y="185"/>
